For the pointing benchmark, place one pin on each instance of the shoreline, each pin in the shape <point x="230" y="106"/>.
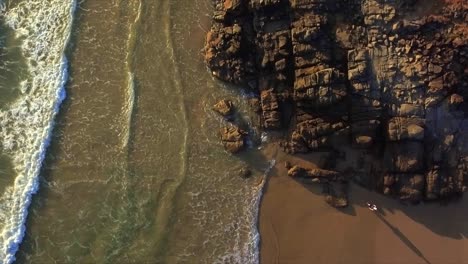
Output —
<point x="295" y="223"/>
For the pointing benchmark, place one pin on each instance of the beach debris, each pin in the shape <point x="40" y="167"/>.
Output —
<point x="371" y="206"/>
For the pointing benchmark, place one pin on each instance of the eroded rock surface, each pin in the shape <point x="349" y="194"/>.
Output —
<point x="233" y="138"/>
<point x="225" y="108"/>
<point x="388" y="77"/>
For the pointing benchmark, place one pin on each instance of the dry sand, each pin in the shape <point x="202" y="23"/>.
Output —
<point x="297" y="226"/>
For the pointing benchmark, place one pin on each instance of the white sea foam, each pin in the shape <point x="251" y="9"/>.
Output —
<point x="250" y="253"/>
<point x="129" y="107"/>
<point x="26" y="125"/>
<point x="130" y="92"/>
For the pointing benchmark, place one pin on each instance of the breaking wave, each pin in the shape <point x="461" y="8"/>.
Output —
<point x="250" y="252"/>
<point x="27" y="124"/>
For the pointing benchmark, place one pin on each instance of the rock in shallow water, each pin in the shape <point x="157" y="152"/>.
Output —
<point x="233" y="138"/>
<point x="224" y="107"/>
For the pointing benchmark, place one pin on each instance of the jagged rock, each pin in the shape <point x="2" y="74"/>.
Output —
<point x="440" y="183"/>
<point x="335" y="187"/>
<point x="258" y="4"/>
<point x="319" y="88"/>
<point x="389" y="180"/>
<point x="308" y="4"/>
<point x="230" y="5"/>
<point x="337" y="194"/>
<point x="274" y="53"/>
<point x="412" y="187"/>
<point x="408" y="187"/>
<point x="401" y="128"/>
<point x="337" y="201"/>
<point x="365" y="141"/>
<point x="224" y="108"/>
<point x="395" y="81"/>
<point x="300" y="172"/>
<point x="406" y="158"/>
<point x="224" y="8"/>
<point x="255" y="105"/>
<point x="312" y="135"/>
<point x="222" y="53"/>
<point x="245" y="172"/>
<point x="364" y="132"/>
<point x="270" y="109"/>
<point x="455" y="101"/>
<point x="433" y="179"/>
<point x="407" y="110"/>
<point x="233" y="138"/>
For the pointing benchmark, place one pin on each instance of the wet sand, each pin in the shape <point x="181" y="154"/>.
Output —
<point x="297" y="226"/>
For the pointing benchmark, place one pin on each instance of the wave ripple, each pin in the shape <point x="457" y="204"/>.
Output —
<point x="27" y="124"/>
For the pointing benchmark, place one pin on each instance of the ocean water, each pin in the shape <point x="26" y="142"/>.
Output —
<point x="33" y="75"/>
<point x="134" y="172"/>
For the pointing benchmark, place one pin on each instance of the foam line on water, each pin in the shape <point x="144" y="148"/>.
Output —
<point x="130" y="91"/>
<point x="250" y="253"/>
<point x="252" y="248"/>
<point x="129" y="107"/>
<point x="27" y="125"/>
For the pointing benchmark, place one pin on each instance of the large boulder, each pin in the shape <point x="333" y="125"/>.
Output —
<point x="337" y="194"/>
<point x="405" y="158"/>
<point x="226" y="9"/>
<point x="222" y="53"/>
<point x="318" y="89"/>
<point x="300" y="172"/>
<point x="312" y="134"/>
<point x="224" y="108"/>
<point x="401" y="128"/>
<point x="233" y="138"/>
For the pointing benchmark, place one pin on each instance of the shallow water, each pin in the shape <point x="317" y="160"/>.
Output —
<point x="13" y="67"/>
<point x="135" y="172"/>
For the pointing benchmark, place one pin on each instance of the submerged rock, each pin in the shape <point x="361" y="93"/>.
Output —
<point x="245" y="172"/>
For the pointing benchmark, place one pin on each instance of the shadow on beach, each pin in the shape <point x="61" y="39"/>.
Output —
<point x="402" y="237"/>
<point x="449" y="220"/>
<point x="444" y="218"/>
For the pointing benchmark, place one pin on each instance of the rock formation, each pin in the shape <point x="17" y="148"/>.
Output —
<point x="233" y="138"/>
<point x="225" y="108"/>
<point x="389" y="77"/>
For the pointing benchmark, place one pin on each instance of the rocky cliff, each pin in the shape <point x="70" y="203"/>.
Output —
<point x="389" y="77"/>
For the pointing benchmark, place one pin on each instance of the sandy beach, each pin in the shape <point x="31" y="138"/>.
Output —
<point x="298" y="226"/>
